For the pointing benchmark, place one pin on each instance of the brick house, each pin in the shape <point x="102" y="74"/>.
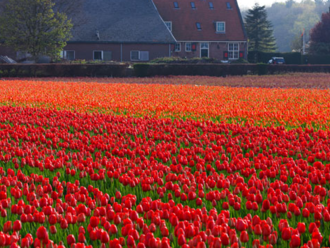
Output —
<point x="142" y="30"/>
<point x="205" y="28"/>
<point x="125" y="30"/>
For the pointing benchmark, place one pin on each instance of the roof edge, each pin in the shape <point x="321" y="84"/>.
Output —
<point x="241" y="19"/>
<point x="118" y="42"/>
<point x="162" y="20"/>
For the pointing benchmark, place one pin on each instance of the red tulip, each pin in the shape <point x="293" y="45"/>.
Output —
<point x="244" y="237"/>
<point x="225" y="239"/>
<point x="94" y="221"/>
<point x="53" y="229"/>
<point x="301" y="227"/>
<point x="181" y="240"/>
<point x="286" y="233"/>
<point x="295" y="241"/>
<point x="42" y="233"/>
<point x="17" y="226"/>
<point x="70" y="239"/>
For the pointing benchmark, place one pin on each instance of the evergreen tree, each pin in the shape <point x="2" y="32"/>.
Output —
<point x="33" y="27"/>
<point x="259" y="30"/>
<point x="320" y="36"/>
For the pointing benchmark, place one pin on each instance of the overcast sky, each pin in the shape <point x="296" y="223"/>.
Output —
<point x="245" y="4"/>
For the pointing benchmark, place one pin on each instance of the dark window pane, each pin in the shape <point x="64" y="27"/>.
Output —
<point x="97" y="55"/>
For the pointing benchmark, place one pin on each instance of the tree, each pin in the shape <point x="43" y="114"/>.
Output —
<point x="289" y="3"/>
<point x="33" y="27"/>
<point x="297" y="43"/>
<point x="259" y="30"/>
<point x="319" y="2"/>
<point x="320" y="36"/>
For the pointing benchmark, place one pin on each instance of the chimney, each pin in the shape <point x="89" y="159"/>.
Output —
<point x="97" y="35"/>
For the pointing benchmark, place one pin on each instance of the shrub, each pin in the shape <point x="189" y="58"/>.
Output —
<point x="63" y="70"/>
<point x="262" y="69"/>
<point x="239" y="61"/>
<point x="141" y="69"/>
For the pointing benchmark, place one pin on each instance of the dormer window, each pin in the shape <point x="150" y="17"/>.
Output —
<point x="192" y="4"/>
<point x="228" y="5"/>
<point x="176" y="5"/>
<point x="220" y="27"/>
<point x="211" y="5"/>
<point x="198" y="25"/>
<point x="169" y="25"/>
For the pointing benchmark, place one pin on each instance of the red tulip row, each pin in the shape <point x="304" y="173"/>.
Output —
<point x="79" y="180"/>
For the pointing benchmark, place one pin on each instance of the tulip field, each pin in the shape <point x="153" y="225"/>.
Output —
<point x="165" y="162"/>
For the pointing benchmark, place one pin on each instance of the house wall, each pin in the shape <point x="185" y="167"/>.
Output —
<point x="216" y="50"/>
<point x="119" y="52"/>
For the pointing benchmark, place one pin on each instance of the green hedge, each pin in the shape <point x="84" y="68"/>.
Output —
<point x="63" y="70"/>
<point x="316" y="59"/>
<point x="219" y="70"/>
<point x="151" y="70"/>
<point x="260" y="57"/>
<point x="281" y="69"/>
<point x="290" y="58"/>
<point x="222" y="70"/>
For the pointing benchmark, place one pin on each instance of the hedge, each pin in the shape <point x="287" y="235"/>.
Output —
<point x="63" y="70"/>
<point x="151" y="70"/>
<point x="219" y="70"/>
<point x="261" y="57"/>
<point x="280" y="69"/>
<point x="316" y="59"/>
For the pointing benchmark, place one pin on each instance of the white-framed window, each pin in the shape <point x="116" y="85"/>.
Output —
<point x="220" y="27"/>
<point x="233" y="51"/>
<point x="177" y="47"/>
<point x="188" y="47"/>
<point x="102" y="55"/>
<point x="139" y="55"/>
<point x="68" y="54"/>
<point x="98" y="55"/>
<point x="169" y="25"/>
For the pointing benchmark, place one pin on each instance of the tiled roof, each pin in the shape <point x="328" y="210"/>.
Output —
<point x="127" y="21"/>
<point x="184" y="19"/>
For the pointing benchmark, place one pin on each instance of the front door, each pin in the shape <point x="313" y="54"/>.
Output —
<point x="204" y="50"/>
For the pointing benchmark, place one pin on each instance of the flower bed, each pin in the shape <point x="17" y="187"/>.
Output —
<point x="73" y="174"/>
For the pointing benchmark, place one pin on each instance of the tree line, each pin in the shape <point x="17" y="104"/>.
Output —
<point x="290" y="20"/>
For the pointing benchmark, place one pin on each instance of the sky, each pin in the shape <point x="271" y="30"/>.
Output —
<point x="245" y="4"/>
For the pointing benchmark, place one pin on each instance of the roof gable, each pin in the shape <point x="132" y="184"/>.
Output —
<point x="127" y="21"/>
<point x="184" y="19"/>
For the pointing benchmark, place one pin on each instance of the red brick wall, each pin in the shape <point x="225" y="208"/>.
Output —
<point x="85" y="51"/>
<point x="216" y="50"/>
